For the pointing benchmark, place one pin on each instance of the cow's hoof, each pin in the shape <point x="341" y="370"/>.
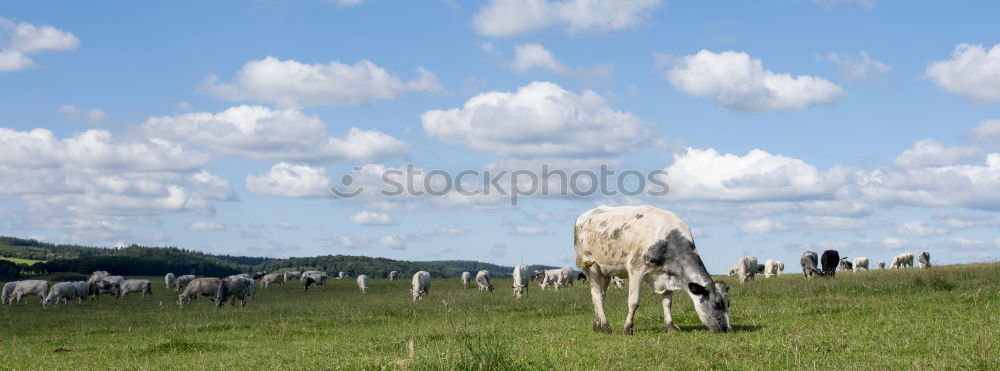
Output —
<point x="628" y="330"/>
<point x="670" y="327"/>
<point x="605" y="328"/>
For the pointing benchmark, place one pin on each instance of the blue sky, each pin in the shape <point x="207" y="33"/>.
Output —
<point x="867" y="126"/>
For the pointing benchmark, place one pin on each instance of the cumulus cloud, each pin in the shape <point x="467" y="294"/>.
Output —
<point x="392" y="242"/>
<point x="531" y="56"/>
<point x="972" y="186"/>
<point x="512" y="17"/>
<point x="763" y="225"/>
<point x="987" y="133"/>
<point x="838" y="223"/>
<point x="206" y="226"/>
<point x="289" y="180"/>
<point x="263" y="133"/>
<point x="287" y="225"/>
<point x="862" y="67"/>
<point x="741" y="83"/>
<point x="92" y="116"/>
<point x="95" y="149"/>
<point x="915" y="228"/>
<point x="929" y="153"/>
<point x="972" y="73"/>
<point x="540" y="120"/>
<point x="529" y="230"/>
<point x="353" y="242"/>
<point x="708" y="175"/>
<point x="291" y="83"/>
<point x="20" y="40"/>
<point x="371" y="218"/>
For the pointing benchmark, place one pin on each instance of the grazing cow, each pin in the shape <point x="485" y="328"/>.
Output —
<point x="363" y="284"/>
<point x="580" y="276"/>
<point x="29" y="287"/>
<point x="232" y="288"/>
<point x="860" y="262"/>
<point x="809" y="262"/>
<point x="924" y="259"/>
<point x="881" y="264"/>
<point x="420" y="286"/>
<point x="483" y="281"/>
<point x="746" y="268"/>
<point x="304" y="274"/>
<point x="781" y="267"/>
<point x="183" y="281"/>
<point x="258" y="275"/>
<point x="520" y="284"/>
<point x="760" y="268"/>
<point x="278" y="278"/>
<point x="770" y="268"/>
<point x="393" y="275"/>
<point x="205" y="286"/>
<point x="652" y="245"/>
<point x="313" y="278"/>
<point x="103" y="286"/>
<point x="845" y="265"/>
<point x="97" y="275"/>
<point x="8" y="291"/>
<point x="466" y="278"/>
<point x="551" y="277"/>
<point x="293" y="275"/>
<point x="902" y="260"/>
<point x="618" y="282"/>
<point x="341" y="275"/>
<point x="142" y="286"/>
<point x="169" y="279"/>
<point x="566" y="277"/>
<point x="830" y="260"/>
<point x="60" y="292"/>
<point x="82" y="291"/>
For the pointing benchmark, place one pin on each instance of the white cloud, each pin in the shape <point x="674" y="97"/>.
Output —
<point x="972" y="72"/>
<point x="987" y="133"/>
<point x="291" y="83"/>
<point x="838" y="223"/>
<point x="289" y="180"/>
<point x="540" y="120"/>
<point x="512" y="17"/>
<point x="764" y="225"/>
<point x="371" y="218"/>
<point x="971" y="186"/>
<point x="451" y="231"/>
<point x="18" y="40"/>
<point x="929" y="153"/>
<point x="95" y="149"/>
<point x="529" y="56"/>
<point x="861" y="68"/>
<point x="741" y="83"/>
<point x="287" y="225"/>
<point x="206" y="226"/>
<point x="392" y="242"/>
<point x="92" y="116"/>
<point x="962" y="219"/>
<point x="263" y="133"/>
<point x="867" y="4"/>
<point x="915" y="228"/>
<point x="529" y="230"/>
<point x="353" y="242"/>
<point x="708" y="175"/>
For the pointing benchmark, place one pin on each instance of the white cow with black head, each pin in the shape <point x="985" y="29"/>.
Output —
<point x="520" y="284"/>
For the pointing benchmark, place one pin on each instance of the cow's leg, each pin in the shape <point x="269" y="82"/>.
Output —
<point x="634" y="283"/>
<point x="598" y="287"/>
<point x="668" y="320"/>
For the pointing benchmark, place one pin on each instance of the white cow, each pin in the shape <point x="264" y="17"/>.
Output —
<point x="420" y="286"/>
<point x="272" y="278"/>
<point x="61" y="292"/>
<point x="341" y="275"/>
<point x="881" y="264"/>
<point x="8" y="291"/>
<point x="466" y="279"/>
<point x="97" y="275"/>
<point x="393" y="275"/>
<point x="924" y="259"/>
<point x="520" y="284"/>
<point x="781" y="267"/>
<point x="143" y="286"/>
<point x="183" y="281"/>
<point x="363" y="284"/>
<point x="649" y="245"/>
<point x="29" y="287"/>
<point x="313" y="278"/>
<point x="292" y="275"/>
<point x="746" y="268"/>
<point x="235" y="287"/>
<point x="618" y="281"/>
<point x="904" y="260"/>
<point x="860" y="262"/>
<point x="82" y="291"/>
<point x="550" y="277"/>
<point x="205" y="286"/>
<point x="770" y="268"/>
<point x="483" y="281"/>
<point x="169" y="280"/>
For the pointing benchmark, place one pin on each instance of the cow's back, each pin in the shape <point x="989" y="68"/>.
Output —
<point x="614" y="235"/>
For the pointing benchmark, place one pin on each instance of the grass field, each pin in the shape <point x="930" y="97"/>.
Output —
<point x="20" y="261"/>
<point x="945" y="317"/>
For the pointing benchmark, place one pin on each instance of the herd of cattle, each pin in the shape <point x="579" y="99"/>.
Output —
<point x="747" y="267"/>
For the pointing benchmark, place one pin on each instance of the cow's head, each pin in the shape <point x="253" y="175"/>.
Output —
<point x="712" y="305"/>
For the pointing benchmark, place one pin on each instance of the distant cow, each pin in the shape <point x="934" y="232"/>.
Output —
<point x="341" y="275"/>
<point x="618" y="282"/>
<point x="760" y="268"/>
<point x="845" y="265"/>
<point x="551" y="277"/>
<point x="566" y="277"/>
<point x="770" y="268"/>
<point x="466" y="279"/>
<point x="8" y="292"/>
<point x="420" y="286"/>
<point x="232" y="288"/>
<point x="183" y="281"/>
<point x="278" y="278"/>
<point x="28" y="288"/>
<point x="746" y="268"/>
<point x="363" y="284"/>
<point x="82" y="290"/>
<point x="780" y="267"/>
<point x="520" y="284"/>
<point x="860" y="262"/>
<point x="103" y="286"/>
<point x="143" y="286"/>
<point x="830" y="260"/>
<point x="313" y="278"/>
<point x="293" y="275"/>
<point x="258" y="275"/>
<point x="881" y="264"/>
<point x="393" y="275"/>
<point x="169" y="279"/>
<point x="904" y="260"/>
<point x="924" y="259"/>
<point x="96" y="275"/>
<point x="649" y="245"/>
<point x="809" y="262"/>
<point x="483" y="281"/>
<point x="61" y="292"/>
<point x="205" y="286"/>
<point x="581" y="276"/>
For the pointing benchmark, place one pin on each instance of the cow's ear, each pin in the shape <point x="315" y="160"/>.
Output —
<point x="697" y="289"/>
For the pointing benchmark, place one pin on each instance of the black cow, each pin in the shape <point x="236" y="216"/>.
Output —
<point x="830" y="260"/>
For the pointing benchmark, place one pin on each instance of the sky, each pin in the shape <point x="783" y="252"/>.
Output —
<point x="867" y="126"/>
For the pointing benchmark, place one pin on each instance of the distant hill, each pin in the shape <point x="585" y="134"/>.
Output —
<point x="154" y="261"/>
